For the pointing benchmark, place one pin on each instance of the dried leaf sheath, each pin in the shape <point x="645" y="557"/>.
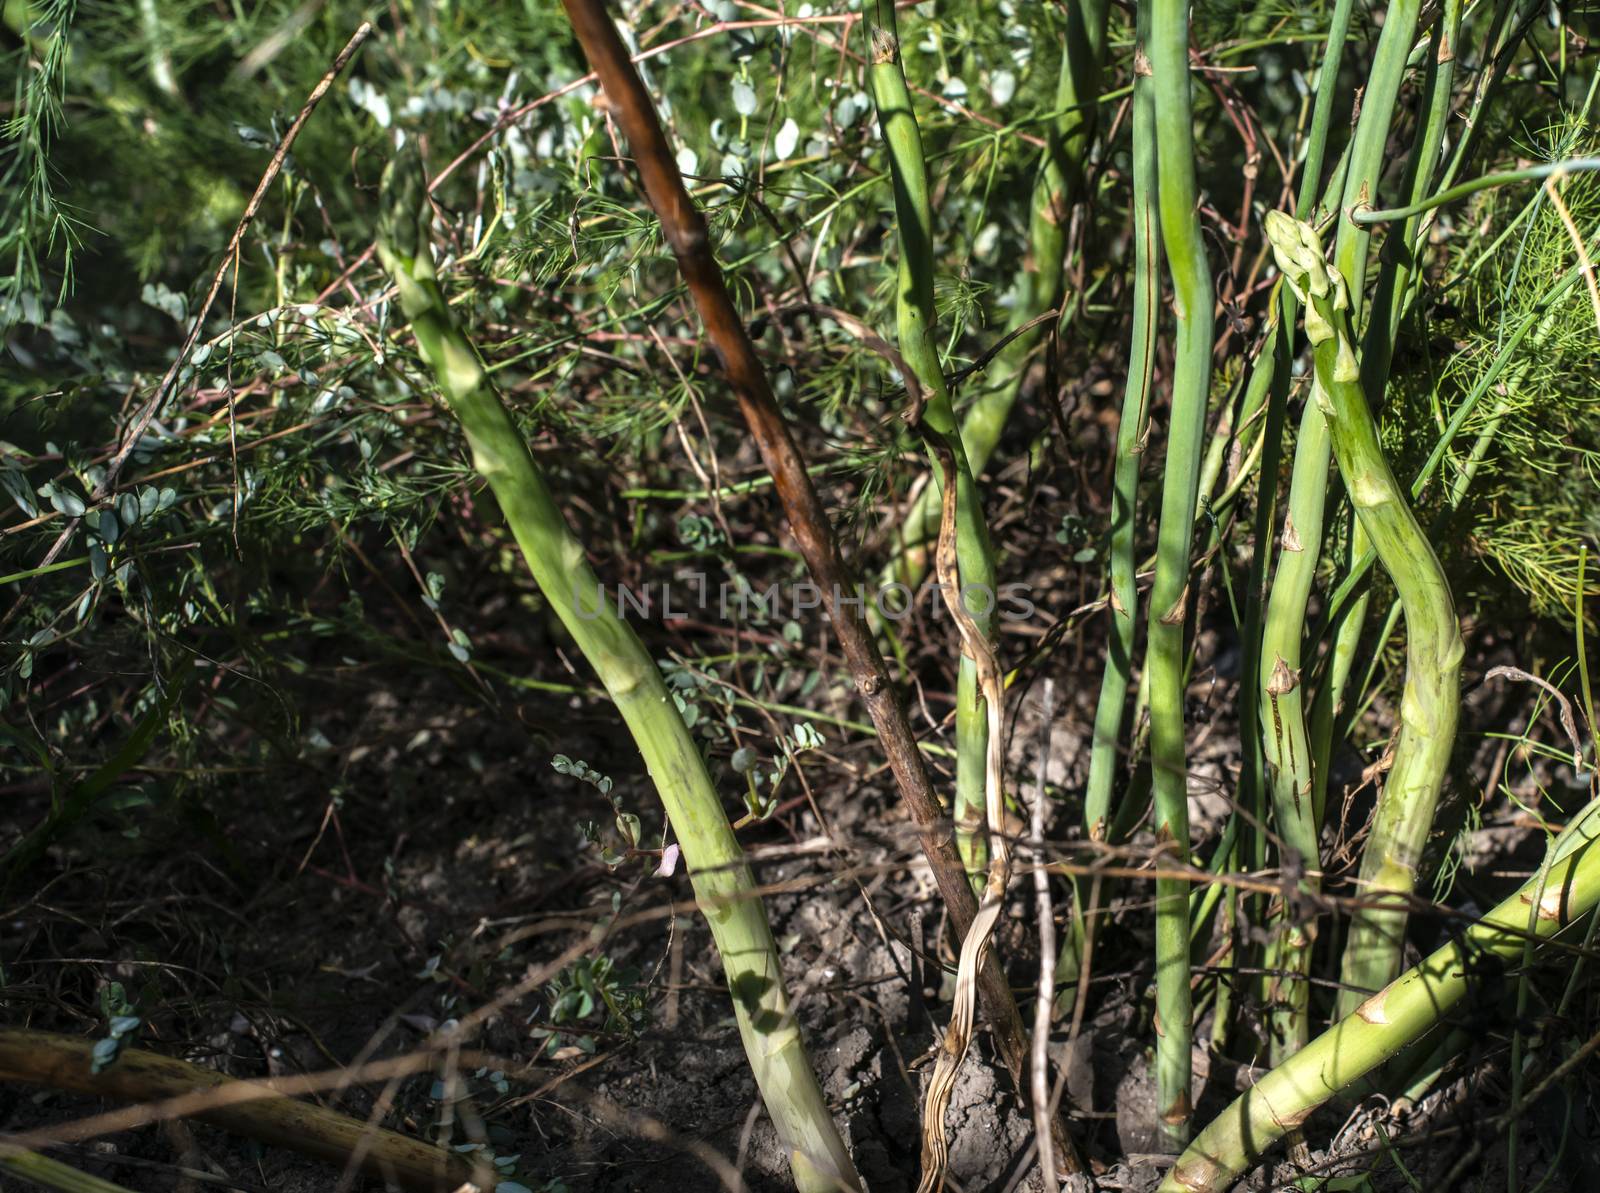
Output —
<point x="975" y="944"/>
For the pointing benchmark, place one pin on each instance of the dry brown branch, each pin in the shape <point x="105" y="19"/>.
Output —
<point x="685" y="229"/>
<point x="261" y="1110"/>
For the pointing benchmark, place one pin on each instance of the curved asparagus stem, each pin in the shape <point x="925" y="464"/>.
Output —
<point x="1564" y="890"/>
<point x="1430" y="703"/>
<point x="914" y="316"/>
<point x="1288" y="764"/>
<point x="1168" y="59"/>
<point x="723" y="884"/>
<point x="1390" y="304"/>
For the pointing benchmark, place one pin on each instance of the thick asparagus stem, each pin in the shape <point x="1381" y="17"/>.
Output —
<point x="1564" y="890"/>
<point x="1282" y="706"/>
<point x="1168" y="59"/>
<point x="1402" y="258"/>
<point x="1431" y="700"/>
<point x="685" y="230"/>
<point x="723" y="884"/>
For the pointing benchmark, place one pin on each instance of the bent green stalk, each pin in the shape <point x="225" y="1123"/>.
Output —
<point x="1167" y="51"/>
<point x="724" y="887"/>
<point x="1389" y="307"/>
<point x="1282" y="706"/>
<point x="1059" y="186"/>
<point x="1431" y="700"/>
<point x="915" y="323"/>
<point x="1563" y="891"/>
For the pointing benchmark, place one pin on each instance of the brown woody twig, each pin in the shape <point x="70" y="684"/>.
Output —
<point x="686" y="232"/>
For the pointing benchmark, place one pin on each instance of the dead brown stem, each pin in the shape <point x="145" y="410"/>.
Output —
<point x="686" y="232"/>
<point x="259" y="1110"/>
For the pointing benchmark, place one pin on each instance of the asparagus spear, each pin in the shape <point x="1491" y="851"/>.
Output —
<point x="1432" y="696"/>
<point x="1563" y="892"/>
<point x="1167" y="47"/>
<point x="914" y="317"/>
<point x="723" y="884"/>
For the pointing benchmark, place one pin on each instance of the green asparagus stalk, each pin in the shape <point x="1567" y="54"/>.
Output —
<point x="1431" y="700"/>
<point x="1274" y="698"/>
<point x="1270" y="377"/>
<point x="723" y="884"/>
<point x="1282" y="707"/>
<point x="1389" y="306"/>
<point x="33" y="1169"/>
<point x="1564" y="890"/>
<point x="1167" y="54"/>
<point x="1105" y="758"/>
<point x="1058" y="187"/>
<point x="915" y="320"/>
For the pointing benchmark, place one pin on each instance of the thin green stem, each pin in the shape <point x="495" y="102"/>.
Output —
<point x="1167" y="47"/>
<point x="918" y="344"/>
<point x="1057" y="189"/>
<point x="1106" y="757"/>
<point x="1288" y="1005"/>
<point x="1462" y="190"/>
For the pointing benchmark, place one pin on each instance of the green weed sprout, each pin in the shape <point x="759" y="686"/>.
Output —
<point x="723" y="884"/>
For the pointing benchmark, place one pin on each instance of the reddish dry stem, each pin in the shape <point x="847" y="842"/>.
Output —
<point x="686" y="232"/>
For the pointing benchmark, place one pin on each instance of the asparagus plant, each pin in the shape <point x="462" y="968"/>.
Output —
<point x="685" y="230"/>
<point x="1431" y="700"/>
<point x="724" y="886"/>
<point x="1166" y="56"/>
<point x="1273" y="700"/>
<point x="915" y="320"/>
<point x="1281" y="703"/>
<point x="1402" y="253"/>
<point x="1058" y="187"/>
<point x="1566" y="888"/>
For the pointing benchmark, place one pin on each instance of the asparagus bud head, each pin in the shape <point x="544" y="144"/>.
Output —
<point x="1321" y="289"/>
<point x="403" y="227"/>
